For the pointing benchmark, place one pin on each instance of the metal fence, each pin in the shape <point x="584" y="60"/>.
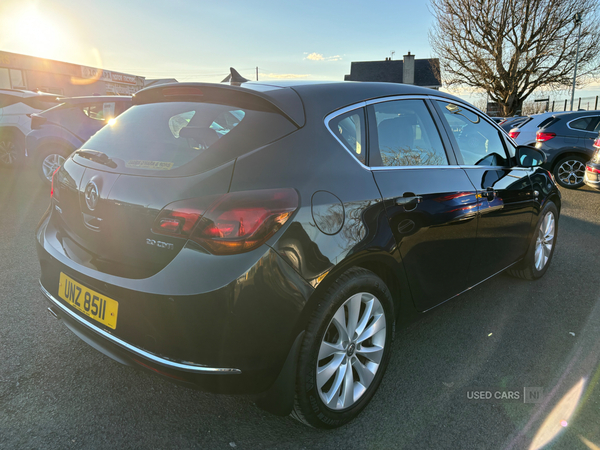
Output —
<point x="540" y="106"/>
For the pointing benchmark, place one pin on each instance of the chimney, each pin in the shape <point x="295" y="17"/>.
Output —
<point x="408" y="69"/>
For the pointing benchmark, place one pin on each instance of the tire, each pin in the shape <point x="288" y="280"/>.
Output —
<point x="569" y="171"/>
<point x="48" y="159"/>
<point x="12" y="150"/>
<point x="364" y="293"/>
<point x="532" y="267"/>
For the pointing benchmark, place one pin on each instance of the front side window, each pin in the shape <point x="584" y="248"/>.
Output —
<point x="406" y="136"/>
<point x="479" y="143"/>
<point x="349" y="128"/>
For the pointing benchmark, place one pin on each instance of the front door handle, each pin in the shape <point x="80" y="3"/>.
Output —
<point x="409" y="201"/>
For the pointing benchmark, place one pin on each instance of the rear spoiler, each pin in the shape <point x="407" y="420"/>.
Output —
<point x="281" y="100"/>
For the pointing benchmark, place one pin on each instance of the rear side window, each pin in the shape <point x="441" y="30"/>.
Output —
<point x="545" y="122"/>
<point x="585" y="123"/>
<point x="349" y="128"/>
<point x="162" y="137"/>
<point x="520" y="125"/>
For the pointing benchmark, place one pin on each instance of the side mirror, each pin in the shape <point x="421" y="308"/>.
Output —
<point x="530" y="157"/>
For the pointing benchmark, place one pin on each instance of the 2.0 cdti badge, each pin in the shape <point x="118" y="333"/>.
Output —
<point x="265" y="238"/>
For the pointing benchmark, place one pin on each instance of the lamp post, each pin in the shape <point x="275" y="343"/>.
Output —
<point x="577" y="19"/>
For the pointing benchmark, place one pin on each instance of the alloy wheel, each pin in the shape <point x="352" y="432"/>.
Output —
<point x="544" y="241"/>
<point x="351" y="351"/>
<point x="571" y="172"/>
<point x="8" y="152"/>
<point x="51" y="163"/>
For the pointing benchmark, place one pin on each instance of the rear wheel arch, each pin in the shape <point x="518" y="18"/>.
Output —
<point x="384" y="266"/>
<point x="566" y="154"/>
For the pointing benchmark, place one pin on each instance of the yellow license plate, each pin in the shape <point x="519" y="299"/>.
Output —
<point x="89" y="302"/>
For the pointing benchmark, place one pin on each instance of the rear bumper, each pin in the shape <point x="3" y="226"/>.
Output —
<point x="114" y="346"/>
<point x="228" y="330"/>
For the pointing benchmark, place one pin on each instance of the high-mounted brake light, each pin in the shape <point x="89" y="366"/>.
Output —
<point x="514" y="134"/>
<point x="228" y="224"/>
<point x="182" y="92"/>
<point x="543" y="136"/>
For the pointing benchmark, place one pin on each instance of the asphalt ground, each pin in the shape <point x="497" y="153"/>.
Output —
<point x="502" y="338"/>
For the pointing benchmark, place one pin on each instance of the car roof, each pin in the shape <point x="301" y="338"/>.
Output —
<point x="294" y="98"/>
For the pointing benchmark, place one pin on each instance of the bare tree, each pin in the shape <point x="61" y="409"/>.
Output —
<point x="509" y="48"/>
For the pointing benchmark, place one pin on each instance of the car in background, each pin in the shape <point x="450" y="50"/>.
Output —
<point x="592" y="168"/>
<point x="253" y="238"/>
<point x="59" y="131"/>
<point x="15" y="107"/>
<point x="568" y="142"/>
<point x="524" y="133"/>
<point x="511" y="122"/>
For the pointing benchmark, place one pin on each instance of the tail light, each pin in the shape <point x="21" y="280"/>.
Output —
<point x="514" y="134"/>
<point x="230" y="223"/>
<point x="597" y="142"/>
<point x="543" y="136"/>
<point x="52" y="182"/>
<point x="592" y="169"/>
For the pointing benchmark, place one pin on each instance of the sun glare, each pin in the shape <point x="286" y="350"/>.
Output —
<point x="34" y="32"/>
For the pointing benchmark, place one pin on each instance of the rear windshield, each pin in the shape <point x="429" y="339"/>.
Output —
<point x="167" y="139"/>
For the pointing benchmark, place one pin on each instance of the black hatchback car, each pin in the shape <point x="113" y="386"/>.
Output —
<point x="265" y="238"/>
<point x="568" y="141"/>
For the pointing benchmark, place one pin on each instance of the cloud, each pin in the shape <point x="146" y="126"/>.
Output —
<point x="285" y="76"/>
<point x="320" y="57"/>
<point x="315" y="57"/>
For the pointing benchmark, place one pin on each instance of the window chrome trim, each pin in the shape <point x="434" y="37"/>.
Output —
<point x="340" y="112"/>
<point x="380" y="168"/>
<point x="366" y="103"/>
<point x="579" y="129"/>
<point x="137" y="351"/>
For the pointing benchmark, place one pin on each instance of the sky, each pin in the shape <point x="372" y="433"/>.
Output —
<point x="199" y="40"/>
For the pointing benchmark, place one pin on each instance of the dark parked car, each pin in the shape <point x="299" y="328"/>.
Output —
<point x="265" y="239"/>
<point x="59" y="131"/>
<point x="568" y="141"/>
<point x="592" y="168"/>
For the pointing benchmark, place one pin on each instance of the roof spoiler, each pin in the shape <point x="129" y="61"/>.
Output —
<point x="284" y="101"/>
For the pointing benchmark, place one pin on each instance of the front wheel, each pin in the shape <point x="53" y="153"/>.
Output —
<point x="541" y="248"/>
<point x="345" y="350"/>
<point x="569" y="172"/>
